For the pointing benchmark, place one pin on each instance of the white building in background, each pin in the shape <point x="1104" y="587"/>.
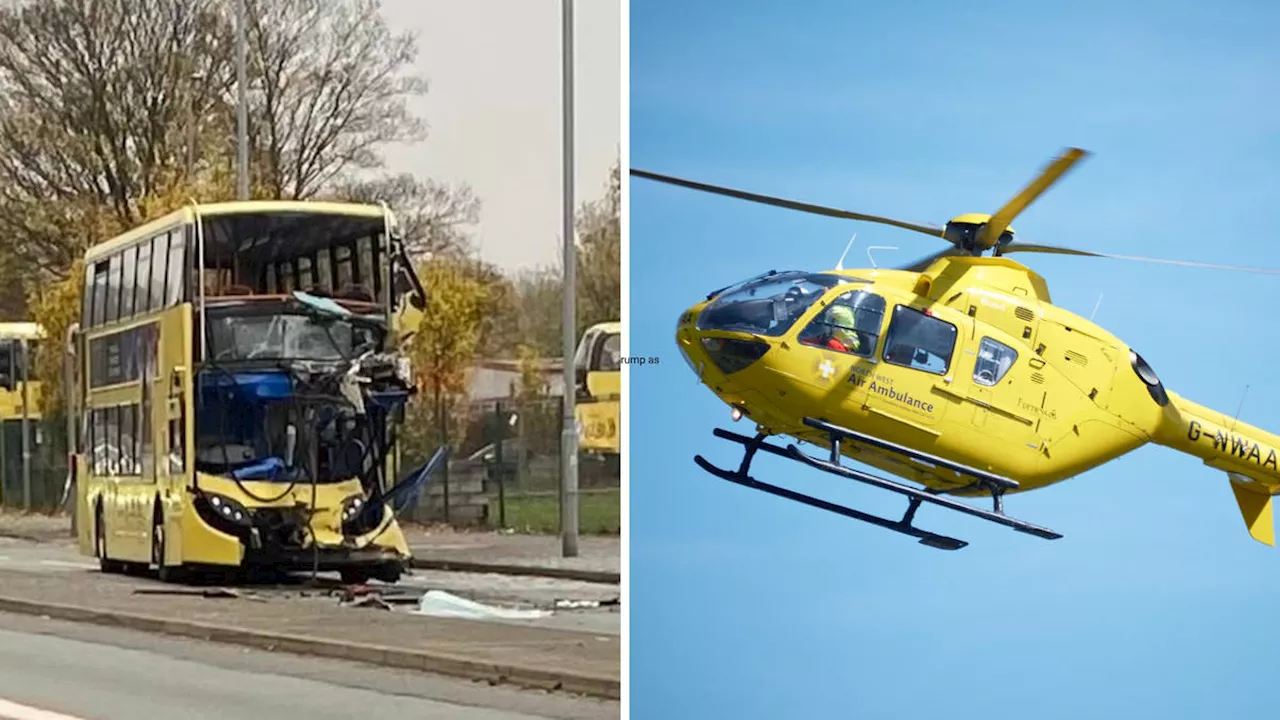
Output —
<point x="500" y="379"/>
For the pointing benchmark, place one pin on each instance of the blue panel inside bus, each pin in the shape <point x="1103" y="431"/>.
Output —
<point x="262" y="386"/>
<point x="241" y="416"/>
<point x="232" y="408"/>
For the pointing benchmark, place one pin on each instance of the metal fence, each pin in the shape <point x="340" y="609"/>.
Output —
<point x="506" y="473"/>
<point x="33" y="478"/>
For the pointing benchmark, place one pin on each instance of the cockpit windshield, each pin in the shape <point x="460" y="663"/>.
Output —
<point x="769" y="305"/>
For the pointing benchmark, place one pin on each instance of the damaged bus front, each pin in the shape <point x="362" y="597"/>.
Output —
<point x="242" y="375"/>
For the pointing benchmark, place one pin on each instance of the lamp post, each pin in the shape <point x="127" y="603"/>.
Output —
<point x="242" y="112"/>
<point x="569" y="433"/>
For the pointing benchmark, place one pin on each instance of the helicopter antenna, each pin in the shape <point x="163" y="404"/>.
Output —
<point x="1095" y="307"/>
<point x="878" y="247"/>
<point x="840" y="263"/>
<point x="1239" y="408"/>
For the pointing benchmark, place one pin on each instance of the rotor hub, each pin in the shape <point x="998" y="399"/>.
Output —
<point x="965" y="231"/>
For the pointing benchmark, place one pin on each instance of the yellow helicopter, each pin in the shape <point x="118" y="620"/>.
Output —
<point x="955" y="373"/>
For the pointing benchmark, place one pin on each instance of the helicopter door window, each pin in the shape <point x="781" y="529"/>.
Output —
<point x="920" y="341"/>
<point x="850" y="324"/>
<point x="994" y="360"/>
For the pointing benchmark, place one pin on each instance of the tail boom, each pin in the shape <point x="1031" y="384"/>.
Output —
<point x="1249" y="456"/>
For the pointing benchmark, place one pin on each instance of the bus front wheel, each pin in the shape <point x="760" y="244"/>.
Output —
<point x="106" y="564"/>
<point x="165" y="573"/>
<point x="389" y="573"/>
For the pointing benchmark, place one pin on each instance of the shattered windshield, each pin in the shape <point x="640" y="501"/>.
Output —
<point x="768" y="306"/>
<point x="284" y="337"/>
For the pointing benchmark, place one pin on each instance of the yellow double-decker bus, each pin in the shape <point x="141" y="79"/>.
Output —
<point x="598" y="366"/>
<point x="20" y="404"/>
<point x="238" y="376"/>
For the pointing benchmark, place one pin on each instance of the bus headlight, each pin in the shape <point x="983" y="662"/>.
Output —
<point x="358" y="518"/>
<point x="228" y="509"/>
<point x="351" y="508"/>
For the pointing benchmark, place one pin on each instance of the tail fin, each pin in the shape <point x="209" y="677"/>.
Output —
<point x="1248" y="455"/>
<point x="1254" y="499"/>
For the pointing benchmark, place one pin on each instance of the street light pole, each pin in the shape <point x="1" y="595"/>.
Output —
<point x="569" y="434"/>
<point x="242" y="111"/>
<point x="26" y="423"/>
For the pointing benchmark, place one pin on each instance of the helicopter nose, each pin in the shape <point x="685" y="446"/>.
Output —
<point x="707" y="348"/>
<point x="686" y="336"/>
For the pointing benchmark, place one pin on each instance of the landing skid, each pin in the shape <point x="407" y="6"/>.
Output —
<point x="994" y="484"/>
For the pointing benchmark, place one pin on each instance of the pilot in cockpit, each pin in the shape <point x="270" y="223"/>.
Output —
<point x="795" y="301"/>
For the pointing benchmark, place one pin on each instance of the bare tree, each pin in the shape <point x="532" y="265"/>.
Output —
<point x="91" y="100"/>
<point x="600" y="256"/>
<point x="331" y="90"/>
<point x="106" y="102"/>
<point x="434" y="217"/>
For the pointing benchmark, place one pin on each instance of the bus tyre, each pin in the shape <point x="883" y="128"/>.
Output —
<point x="106" y="564"/>
<point x="354" y="576"/>
<point x="166" y="573"/>
<point x="389" y="573"/>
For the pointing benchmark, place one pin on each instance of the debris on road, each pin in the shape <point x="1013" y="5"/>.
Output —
<point x="198" y="592"/>
<point x="373" y="601"/>
<point x="443" y="604"/>
<point x="579" y="604"/>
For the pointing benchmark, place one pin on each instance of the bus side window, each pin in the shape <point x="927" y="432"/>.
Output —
<point x="287" y="284"/>
<point x="174" y="290"/>
<point x="128" y="436"/>
<point x="86" y="317"/>
<point x="113" y="289"/>
<point x="342" y="258"/>
<point x="177" y="445"/>
<point x="129" y="268"/>
<point x="324" y="270"/>
<point x="364" y="263"/>
<point x="159" y="269"/>
<point x="98" y="442"/>
<point x="113" y="440"/>
<point x="7" y="376"/>
<point x="147" y="466"/>
<point x="377" y="252"/>
<point x="142" y="287"/>
<point x="306" y="274"/>
<point x="100" y="271"/>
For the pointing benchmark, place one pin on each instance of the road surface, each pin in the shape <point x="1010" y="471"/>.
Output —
<point x="61" y="557"/>
<point x="52" y="670"/>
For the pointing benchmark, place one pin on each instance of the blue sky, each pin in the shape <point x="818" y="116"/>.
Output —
<point x="1157" y="603"/>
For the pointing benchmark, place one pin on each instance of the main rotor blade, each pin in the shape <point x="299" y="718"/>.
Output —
<point x="1052" y="172"/>
<point x="923" y="263"/>
<point x="1053" y="249"/>
<point x="926" y="228"/>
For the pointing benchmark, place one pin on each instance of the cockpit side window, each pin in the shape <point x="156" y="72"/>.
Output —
<point x="920" y="341"/>
<point x="850" y="324"/>
<point x="994" y="360"/>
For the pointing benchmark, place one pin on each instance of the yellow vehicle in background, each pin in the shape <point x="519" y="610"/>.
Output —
<point x="20" y="404"/>
<point x="238" y="373"/>
<point x="598" y="367"/>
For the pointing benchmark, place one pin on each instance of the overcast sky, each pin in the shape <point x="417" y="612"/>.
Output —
<point x="493" y="108"/>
